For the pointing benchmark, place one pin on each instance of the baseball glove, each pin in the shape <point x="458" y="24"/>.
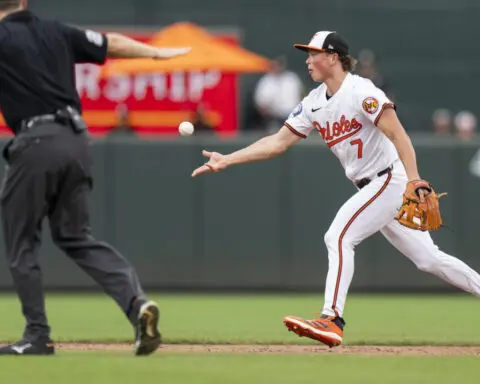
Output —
<point x="417" y="215"/>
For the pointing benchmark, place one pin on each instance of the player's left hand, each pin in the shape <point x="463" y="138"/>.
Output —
<point x="422" y="193"/>
<point x="216" y="163"/>
<point x="420" y="209"/>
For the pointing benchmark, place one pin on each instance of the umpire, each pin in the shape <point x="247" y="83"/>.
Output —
<point x="49" y="168"/>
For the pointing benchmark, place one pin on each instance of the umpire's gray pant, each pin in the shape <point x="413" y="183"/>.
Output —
<point x="49" y="175"/>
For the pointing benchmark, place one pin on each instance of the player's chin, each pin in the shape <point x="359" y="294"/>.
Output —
<point x="317" y="77"/>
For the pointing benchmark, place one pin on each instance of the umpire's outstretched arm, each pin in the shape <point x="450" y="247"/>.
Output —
<point x="122" y="46"/>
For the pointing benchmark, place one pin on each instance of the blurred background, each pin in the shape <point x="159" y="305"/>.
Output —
<point x="261" y="226"/>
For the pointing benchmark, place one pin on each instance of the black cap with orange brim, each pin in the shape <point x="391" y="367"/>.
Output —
<point x="326" y="41"/>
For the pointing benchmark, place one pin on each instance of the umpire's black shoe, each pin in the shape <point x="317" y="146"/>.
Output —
<point x="147" y="336"/>
<point x="25" y="347"/>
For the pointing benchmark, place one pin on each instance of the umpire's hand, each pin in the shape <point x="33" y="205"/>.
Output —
<point x="169" y="53"/>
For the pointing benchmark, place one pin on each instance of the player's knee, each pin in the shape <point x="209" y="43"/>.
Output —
<point x="331" y="238"/>
<point x="429" y="265"/>
<point x="334" y="237"/>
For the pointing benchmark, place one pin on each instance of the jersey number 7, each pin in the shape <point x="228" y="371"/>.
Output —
<point x="360" y="146"/>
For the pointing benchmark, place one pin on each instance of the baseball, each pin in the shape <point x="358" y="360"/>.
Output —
<point x="186" y="128"/>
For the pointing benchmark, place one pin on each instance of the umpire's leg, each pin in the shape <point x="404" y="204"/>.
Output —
<point x="70" y="227"/>
<point x="23" y="207"/>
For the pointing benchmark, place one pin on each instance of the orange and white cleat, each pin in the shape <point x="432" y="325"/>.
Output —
<point x="326" y="329"/>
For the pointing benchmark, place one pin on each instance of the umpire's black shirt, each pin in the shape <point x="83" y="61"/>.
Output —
<point x="37" y="57"/>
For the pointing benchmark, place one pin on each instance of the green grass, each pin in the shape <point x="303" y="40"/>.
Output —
<point x="399" y="320"/>
<point x="246" y="319"/>
<point x="93" y="368"/>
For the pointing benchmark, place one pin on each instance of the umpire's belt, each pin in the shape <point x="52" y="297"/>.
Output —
<point x="68" y="115"/>
<point x="363" y="182"/>
<point x="28" y="124"/>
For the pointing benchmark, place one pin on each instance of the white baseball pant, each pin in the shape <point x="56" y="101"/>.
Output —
<point x="372" y="209"/>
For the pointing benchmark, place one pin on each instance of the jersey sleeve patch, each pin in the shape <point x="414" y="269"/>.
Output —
<point x="297" y="110"/>
<point x="94" y="38"/>
<point x="370" y="105"/>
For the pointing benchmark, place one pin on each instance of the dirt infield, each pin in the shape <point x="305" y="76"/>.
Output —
<point x="284" y="349"/>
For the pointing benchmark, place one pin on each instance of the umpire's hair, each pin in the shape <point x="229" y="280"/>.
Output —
<point x="348" y="63"/>
<point x="6" y="5"/>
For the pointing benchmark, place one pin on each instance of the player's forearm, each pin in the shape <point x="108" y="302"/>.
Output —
<point x="262" y="149"/>
<point x="406" y="152"/>
<point x="120" y="46"/>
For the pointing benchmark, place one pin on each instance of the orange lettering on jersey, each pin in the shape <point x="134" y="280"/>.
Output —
<point x="338" y="131"/>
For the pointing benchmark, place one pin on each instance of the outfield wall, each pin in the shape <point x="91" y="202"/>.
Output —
<point x="256" y="226"/>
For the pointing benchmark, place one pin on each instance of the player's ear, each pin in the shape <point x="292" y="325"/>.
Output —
<point x="23" y="3"/>
<point x="333" y="58"/>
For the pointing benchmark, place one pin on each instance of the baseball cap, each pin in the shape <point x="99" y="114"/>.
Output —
<point x="326" y="41"/>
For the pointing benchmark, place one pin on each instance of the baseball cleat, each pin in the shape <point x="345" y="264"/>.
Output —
<point x="326" y="329"/>
<point x="147" y="338"/>
<point x="25" y="347"/>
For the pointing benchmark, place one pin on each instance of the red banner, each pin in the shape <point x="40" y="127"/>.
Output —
<point x="157" y="102"/>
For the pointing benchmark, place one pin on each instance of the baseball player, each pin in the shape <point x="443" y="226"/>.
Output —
<point x="359" y="124"/>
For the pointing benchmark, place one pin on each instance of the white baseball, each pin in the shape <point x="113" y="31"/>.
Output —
<point x="186" y="128"/>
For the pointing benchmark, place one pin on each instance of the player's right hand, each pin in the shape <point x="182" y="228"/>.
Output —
<point x="216" y="163"/>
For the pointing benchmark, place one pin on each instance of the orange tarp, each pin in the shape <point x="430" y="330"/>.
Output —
<point x="208" y="53"/>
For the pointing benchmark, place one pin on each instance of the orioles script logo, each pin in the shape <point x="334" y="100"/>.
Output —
<point x="335" y="132"/>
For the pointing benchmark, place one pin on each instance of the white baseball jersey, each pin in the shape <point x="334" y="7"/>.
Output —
<point x="347" y="122"/>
